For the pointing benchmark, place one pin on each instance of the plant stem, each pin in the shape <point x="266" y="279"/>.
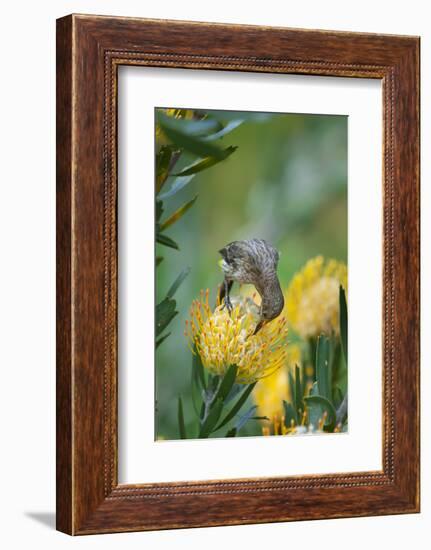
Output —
<point x="208" y="400"/>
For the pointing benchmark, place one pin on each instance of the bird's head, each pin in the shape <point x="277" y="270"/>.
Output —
<point x="272" y="303"/>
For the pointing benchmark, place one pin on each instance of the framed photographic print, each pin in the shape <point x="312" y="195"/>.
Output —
<point x="237" y="274"/>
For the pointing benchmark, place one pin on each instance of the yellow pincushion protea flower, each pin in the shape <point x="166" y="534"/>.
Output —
<point x="270" y="391"/>
<point x="223" y="340"/>
<point x="312" y="299"/>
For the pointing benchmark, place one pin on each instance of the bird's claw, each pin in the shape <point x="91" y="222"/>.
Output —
<point x="227" y="304"/>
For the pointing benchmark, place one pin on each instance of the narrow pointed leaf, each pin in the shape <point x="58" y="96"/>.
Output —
<point x="338" y="396"/>
<point x="235" y="390"/>
<point x="298" y="391"/>
<point x="181" y="424"/>
<point x="159" y="209"/>
<point x="179" y="213"/>
<point x="192" y="144"/>
<point x="165" y="312"/>
<point x="188" y="126"/>
<point x="230" y="126"/>
<point x="165" y="161"/>
<point x="161" y="339"/>
<point x="292" y="387"/>
<point x="245" y="417"/>
<point x="289" y="414"/>
<point x="227" y="383"/>
<point x="343" y="322"/>
<point x="176" y="186"/>
<point x="212" y="419"/>
<point x="205" y="163"/>
<point x="198" y="383"/>
<point x="198" y="370"/>
<point x="176" y="284"/>
<point x="342" y="410"/>
<point x="249" y="116"/>
<point x="167" y="241"/>
<point x="322" y="366"/>
<point x="235" y="409"/>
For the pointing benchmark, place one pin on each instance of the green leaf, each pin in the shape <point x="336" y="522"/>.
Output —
<point x="314" y="390"/>
<point x="343" y="321"/>
<point x="323" y="366"/>
<point x="337" y="396"/>
<point x="231" y="433"/>
<point x="289" y="414"/>
<point x="198" y="383"/>
<point x="191" y="127"/>
<point x="212" y="419"/>
<point x="165" y="312"/>
<point x="167" y="241"/>
<point x="191" y="143"/>
<point x="292" y="387"/>
<point x="247" y="116"/>
<point x="179" y="213"/>
<point x="229" y="127"/>
<point x="160" y="340"/>
<point x="245" y="417"/>
<point x="238" y="405"/>
<point x="159" y="209"/>
<point x="236" y="388"/>
<point x="165" y="160"/>
<point x="181" y="425"/>
<point x="298" y="391"/>
<point x="176" y="186"/>
<point x="205" y="163"/>
<point x="317" y="405"/>
<point x="227" y="383"/>
<point x="176" y="284"/>
<point x="198" y="370"/>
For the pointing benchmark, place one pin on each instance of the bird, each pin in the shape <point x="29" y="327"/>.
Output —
<point x="253" y="261"/>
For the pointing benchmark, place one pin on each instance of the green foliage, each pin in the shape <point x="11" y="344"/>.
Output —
<point x="165" y="161"/>
<point x="166" y="309"/>
<point x="323" y="366"/>
<point x="322" y="398"/>
<point x="205" y="163"/>
<point x="237" y="407"/>
<point x="165" y="312"/>
<point x="176" y="284"/>
<point x="343" y="321"/>
<point x="210" y="420"/>
<point x="211" y="397"/>
<point x="184" y="134"/>
<point x="177" y="132"/>
<point x="179" y="213"/>
<point x="317" y="406"/>
<point x="181" y="424"/>
<point x="167" y="241"/>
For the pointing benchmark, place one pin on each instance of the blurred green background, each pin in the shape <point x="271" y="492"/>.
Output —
<point x="286" y="183"/>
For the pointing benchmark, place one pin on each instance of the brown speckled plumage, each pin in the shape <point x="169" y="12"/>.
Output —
<point x="253" y="261"/>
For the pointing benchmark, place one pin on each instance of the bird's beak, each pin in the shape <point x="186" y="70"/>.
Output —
<point x="220" y="263"/>
<point x="259" y="325"/>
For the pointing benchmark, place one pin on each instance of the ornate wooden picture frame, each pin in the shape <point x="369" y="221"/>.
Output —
<point x="89" y="51"/>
